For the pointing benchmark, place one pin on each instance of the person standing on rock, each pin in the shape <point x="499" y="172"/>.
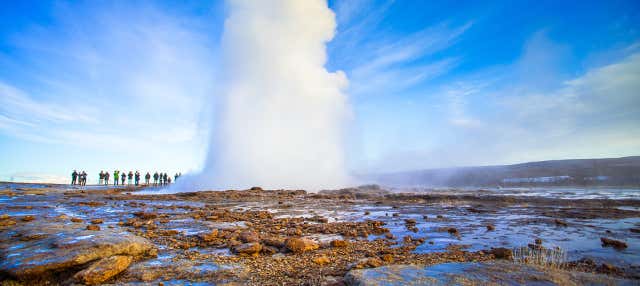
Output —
<point x="106" y="178"/>
<point x="175" y="177"/>
<point x="83" y="179"/>
<point x="74" y="177"/>
<point x="101" y="177"/>
<point x="155" y="179"/>
<point x="116" y="177"/>
<point x="130" y="177"/>
<point x="137" y="178"/>
<point x="164" y="178"/>
<point x="147" y="177"/>
<point x="123" y="177"/>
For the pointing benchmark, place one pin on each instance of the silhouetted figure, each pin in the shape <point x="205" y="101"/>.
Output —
<point x="123" y="177"/>
<point x="116" y="177"/>
<point x="74" y="177"/>
<point x="147" y="177"/>
<point x="101" y="176"/>
<point x="137" y="178"/>
<point x="106" y="178"/>
<point x="130" y="177"/>
<point x="155" y="178"/>
<point x="164" y="178"/>
<point x="169" y="181"/>
<point x="84" y="178"/>
<point x="175" y="177"/>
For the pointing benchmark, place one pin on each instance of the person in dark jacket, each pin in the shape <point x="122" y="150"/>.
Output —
<point x="74" y="177"/>
<point x="123" y="177"/>
<point x="137" y="178"/>
<point x="130" y="175"/>
<point x="147" y="177"/>
<point x="106" y="177"/>
<point x="155" y="178"/>
<point x="83" y="178"/>
<point x="164" y="178"/>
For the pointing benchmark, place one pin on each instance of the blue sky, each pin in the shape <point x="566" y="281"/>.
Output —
<point x="131" y="84"/>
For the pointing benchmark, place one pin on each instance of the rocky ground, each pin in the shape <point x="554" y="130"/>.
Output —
<point x="56" y="235"/>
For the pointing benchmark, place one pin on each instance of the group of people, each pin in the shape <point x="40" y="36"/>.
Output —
<point x="119" y="178"/>
<point x="79" y="178"/>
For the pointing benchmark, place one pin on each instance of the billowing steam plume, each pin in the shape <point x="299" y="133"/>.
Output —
<point x="280" y="123"/>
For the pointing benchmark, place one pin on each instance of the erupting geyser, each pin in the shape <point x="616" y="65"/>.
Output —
<point x="280" y="123"/>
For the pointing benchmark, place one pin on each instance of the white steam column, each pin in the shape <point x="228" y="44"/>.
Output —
<point x="282" y="118"/>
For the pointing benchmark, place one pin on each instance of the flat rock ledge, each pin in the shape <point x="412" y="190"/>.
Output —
<point x="493" y="273"/>
<point x="44" y="249"/>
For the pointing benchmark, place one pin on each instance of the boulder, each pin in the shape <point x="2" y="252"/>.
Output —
<point x="339" y="243"/>
<point x="370" y="262"/>
<point x="249" y="236"/>
<point x="617" y="244"/>
<point x="299" y="245"/>
<point x="250" y="249"/>
<point x="502" y="253"/>
<point x="322" y="260"/>
<point x="103" y="269"/>
<point x="65" y="246"/>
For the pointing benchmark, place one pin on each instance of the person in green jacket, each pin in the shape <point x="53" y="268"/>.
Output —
<point x="116" y="177"/>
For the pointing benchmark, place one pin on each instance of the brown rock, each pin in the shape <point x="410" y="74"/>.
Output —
<point x="388" y="258"/>
<point x="338" y="243"/>
<point x="145" y="215"/>
<point x="502" y="253"/>
<point x="93" y="227"/>
<point x="538" y="241"/>
<point x="269" y="250"/>
<point x="490" y="227"/>
<point x="66" y="247"/>
<point x="370" y="262"/>
<point x="617" y="244"/>
<point x="75" y="219"/>
<point x="322" y="260"/>
<point x="97" y="221"/>
<point x="208" y="237"/>
<point x="7" y="222"/>
<point x="28" y="218"/>
<point x="299" y="245"/>
<point x="560" y="223"/>
<point x="103" y="269"/>
<point x="249" y="236"/>
<point x="251" y="249"/>
<point x="274" y="241"/>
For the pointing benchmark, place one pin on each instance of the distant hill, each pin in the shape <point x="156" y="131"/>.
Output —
<point x="623" y="171"/>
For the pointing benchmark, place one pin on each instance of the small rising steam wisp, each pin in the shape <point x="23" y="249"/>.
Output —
<point x="280" y="121"/>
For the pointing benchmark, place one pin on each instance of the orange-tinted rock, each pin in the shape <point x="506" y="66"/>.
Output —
<point x="103" y="269"/>
<point x="338" y="243"/>
<point x="249" y="236"/>
<point x="299" y="245"/>
<point x="251" y="249"/>
<point x="322" y="260"/>
<point x="93" y="227"/>
<point x="388" y="258"/>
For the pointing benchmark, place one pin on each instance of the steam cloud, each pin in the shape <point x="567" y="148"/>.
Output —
<point x="280" y="122"/>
